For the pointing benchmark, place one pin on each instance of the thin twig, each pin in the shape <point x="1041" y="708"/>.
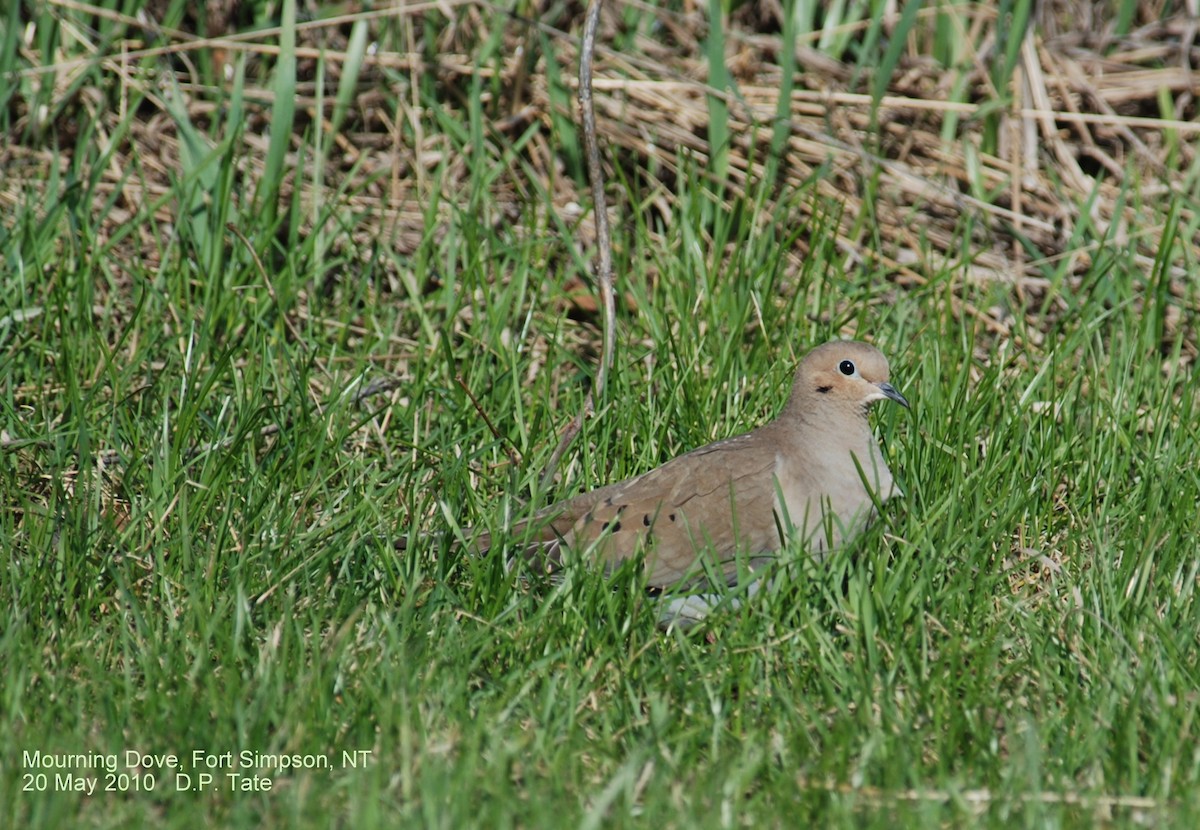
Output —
<point x="228" y="441"/>
<point x="287" y="321"/>
<point x="509" y="449"/>
<point x="604" y="271"/>
<point x="376" y="387"/>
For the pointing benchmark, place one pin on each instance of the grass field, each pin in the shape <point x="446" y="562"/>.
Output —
<point x="281" y="286"/>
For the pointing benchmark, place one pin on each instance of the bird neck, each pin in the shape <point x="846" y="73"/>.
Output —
<point x="829" y="425"/>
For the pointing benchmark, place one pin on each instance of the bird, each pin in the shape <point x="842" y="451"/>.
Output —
<point x="813" y="476"/>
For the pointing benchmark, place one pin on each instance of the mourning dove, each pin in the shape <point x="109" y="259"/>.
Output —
<point x="814" y="473"/>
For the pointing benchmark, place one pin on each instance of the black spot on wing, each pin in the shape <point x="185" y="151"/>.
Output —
<point x="614" y="524"/>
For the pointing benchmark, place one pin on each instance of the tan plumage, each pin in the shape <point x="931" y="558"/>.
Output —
<point x="805" y="472"/>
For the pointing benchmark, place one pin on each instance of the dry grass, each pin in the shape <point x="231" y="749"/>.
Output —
<point x="1088" y="122"/>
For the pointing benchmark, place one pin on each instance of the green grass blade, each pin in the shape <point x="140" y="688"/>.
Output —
<point x="283" y="113"/>
<point x="719" y="82"/>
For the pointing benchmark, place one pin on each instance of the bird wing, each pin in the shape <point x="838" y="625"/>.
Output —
<point x="718" y="499"/>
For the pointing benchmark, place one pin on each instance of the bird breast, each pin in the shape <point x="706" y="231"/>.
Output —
<point x="824" y="509"/>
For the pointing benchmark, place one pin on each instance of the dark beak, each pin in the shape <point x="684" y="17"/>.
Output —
<point x="890" y="391"/>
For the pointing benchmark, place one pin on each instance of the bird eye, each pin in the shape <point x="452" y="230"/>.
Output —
<point x="847" y="368"/>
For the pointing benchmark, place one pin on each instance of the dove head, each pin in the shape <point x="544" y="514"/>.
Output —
<point x="844" y="374"/>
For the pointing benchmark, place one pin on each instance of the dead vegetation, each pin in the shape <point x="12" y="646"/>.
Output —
<point x="1085" y="139"/>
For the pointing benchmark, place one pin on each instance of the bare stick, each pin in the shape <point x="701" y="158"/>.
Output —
<point x="599" y="206"/>
<point x="604" y="270"/>
<point x="287" y="321"/>
<point x="513" y="457"/>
